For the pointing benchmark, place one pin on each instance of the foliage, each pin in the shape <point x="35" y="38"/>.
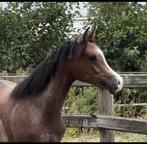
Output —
<point x="72" y="132"/>
<point x="81" y="100"/>
<point x="121" y="33"/>
<point x="28" y="30"/>
<point x="131" y="96"/>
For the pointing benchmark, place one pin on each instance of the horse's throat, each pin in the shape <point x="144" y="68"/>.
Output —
<point x="57" y="92"/>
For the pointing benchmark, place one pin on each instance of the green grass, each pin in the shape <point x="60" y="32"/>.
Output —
<point x="75" y="136"/>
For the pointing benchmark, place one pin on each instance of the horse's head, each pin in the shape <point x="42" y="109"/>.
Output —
<point x="88" y="64"/>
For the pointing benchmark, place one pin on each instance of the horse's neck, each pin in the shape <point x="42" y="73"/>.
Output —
<point x="55" y="95"/>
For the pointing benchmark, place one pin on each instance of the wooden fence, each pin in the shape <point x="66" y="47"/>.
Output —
<point x="105" y="121"/>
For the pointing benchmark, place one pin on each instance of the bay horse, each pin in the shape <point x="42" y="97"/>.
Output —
<point x="31" y="111"/>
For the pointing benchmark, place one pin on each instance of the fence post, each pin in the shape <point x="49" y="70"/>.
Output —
<point x="105" y="107"/>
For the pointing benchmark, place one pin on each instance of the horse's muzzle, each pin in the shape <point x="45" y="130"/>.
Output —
<point x="115" y="84"/>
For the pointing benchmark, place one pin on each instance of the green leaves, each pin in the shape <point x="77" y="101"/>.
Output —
<point x="28" y="30"/>
<point x="81" y="100"/>
<point x="122" y="33"/>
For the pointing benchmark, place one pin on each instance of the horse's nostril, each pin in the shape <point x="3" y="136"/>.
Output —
<point x="118" y="83"/>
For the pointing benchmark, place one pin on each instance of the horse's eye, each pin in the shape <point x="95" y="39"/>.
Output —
<point x="92" y="58"/>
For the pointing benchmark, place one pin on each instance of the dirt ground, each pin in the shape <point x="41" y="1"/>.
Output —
<point x="119" y="137"/>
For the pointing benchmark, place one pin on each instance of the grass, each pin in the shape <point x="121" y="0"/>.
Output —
<point x="95" y="137"/>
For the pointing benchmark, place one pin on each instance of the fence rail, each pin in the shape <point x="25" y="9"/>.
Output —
<point x="134" y="104"/>
<point x="107" y="122"/>
<point x="130" y="80"/>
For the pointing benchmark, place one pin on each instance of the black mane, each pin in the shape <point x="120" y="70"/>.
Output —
<point x="44" y="72"/>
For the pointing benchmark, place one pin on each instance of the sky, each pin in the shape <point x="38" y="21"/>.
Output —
<point x="4" y="4"/>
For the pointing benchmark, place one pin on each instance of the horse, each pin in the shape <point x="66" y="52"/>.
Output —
<point x="31" y="111"/>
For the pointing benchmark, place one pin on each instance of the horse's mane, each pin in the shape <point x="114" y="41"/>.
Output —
<point x="39" y="79"/>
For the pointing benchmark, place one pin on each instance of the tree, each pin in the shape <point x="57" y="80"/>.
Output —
<point x="28" y="30"/>
<point x="121" y="33"/>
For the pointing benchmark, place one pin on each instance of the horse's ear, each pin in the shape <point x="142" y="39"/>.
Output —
<point x="92" y="33"/>
<point x="82" y="41"/>
<point x="83" y="37"/>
